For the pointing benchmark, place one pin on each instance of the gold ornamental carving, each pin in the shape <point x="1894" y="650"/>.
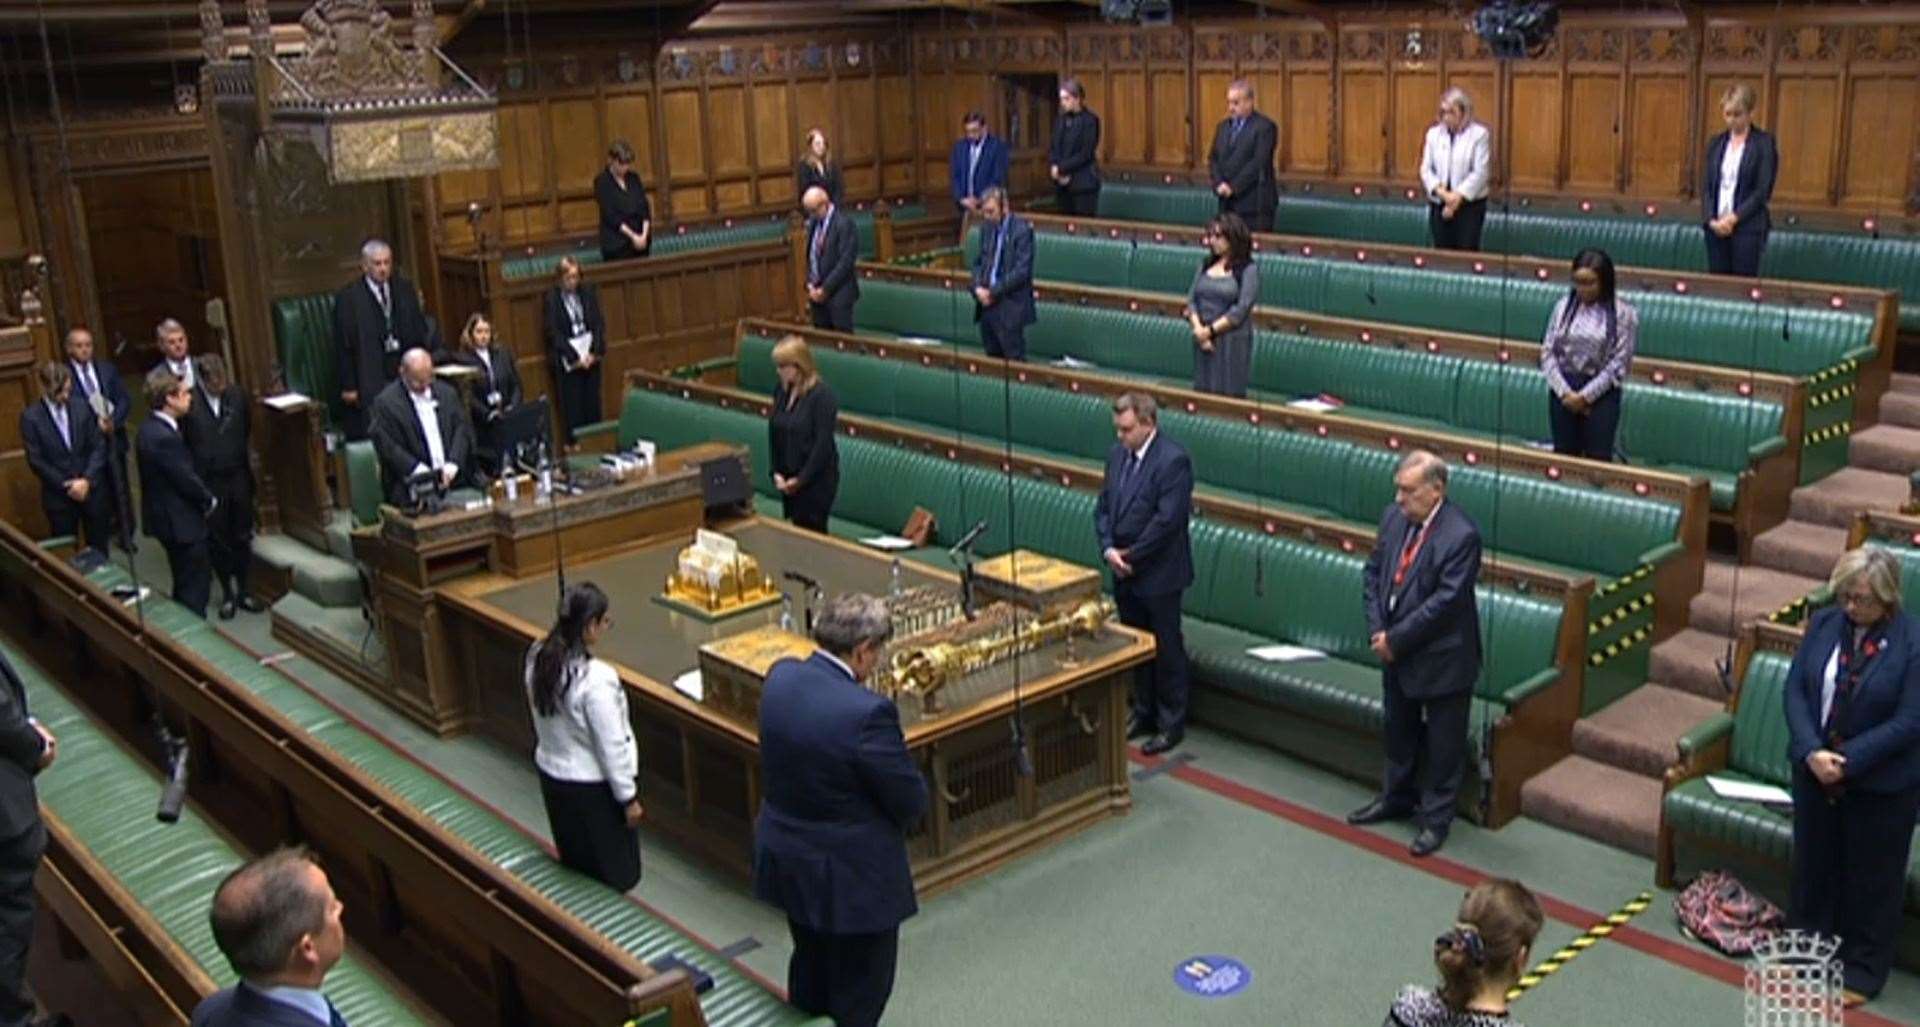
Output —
<point x="407" y="147"/>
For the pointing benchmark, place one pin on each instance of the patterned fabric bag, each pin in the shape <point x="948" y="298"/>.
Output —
<point x="1720" y="911"/>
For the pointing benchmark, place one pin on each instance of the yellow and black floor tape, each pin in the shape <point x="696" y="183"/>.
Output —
<point x="1550" y="965"/>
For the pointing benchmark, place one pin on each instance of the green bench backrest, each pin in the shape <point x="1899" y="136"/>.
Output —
<point x="899" y="308"/>
<point x="543" y="265"/>
<point x="1760" y="736"/>
<point x="303" y="334"/>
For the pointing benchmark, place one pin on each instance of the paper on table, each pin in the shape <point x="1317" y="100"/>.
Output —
<point x="691" y="685"/>
<point x="1749" y="791"/>
<point x="1285" y="653"/>
<point x="920" y="340"/>
<point x="581" y="344"/>
<point x="887" y="542"/>
<point x="1067" y="361"/>
<point x="287" y="401"/>
<point x="1318" y="406"/>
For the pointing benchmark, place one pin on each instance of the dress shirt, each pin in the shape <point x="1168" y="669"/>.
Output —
<point x="1730" y="173"/>
<point x="382" y="295"/>
<point x="1461" y="161"/>
<point x="1851" y="637"/>
<point x="1580" y="347"/>
<point x="999" y="246"/>
<point x="973" y="161"/>
<point x="838" y="662"/>
<point x="306" y="1000"/>
<point x="213" y="404"/>
<point x="485" y="353"/>
<point x="168" y="418"/>
<point x="576" y="312"/>
<point x="183" y="370"/>
<point x="424" y="408"/>
<point x="59" y="412"/>
<point x="590" y="737"/>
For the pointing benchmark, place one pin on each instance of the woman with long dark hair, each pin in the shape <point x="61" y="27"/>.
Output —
<point x="584" y="744"/>
<point x="1220" y="308"/>
<point x="1585" y="355"/>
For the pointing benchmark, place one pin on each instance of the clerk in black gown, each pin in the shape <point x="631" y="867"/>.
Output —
<point x="806" y="464"/>
<point x="626" y="220"/>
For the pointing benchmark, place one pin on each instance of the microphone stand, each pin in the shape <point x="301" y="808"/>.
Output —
<point x="547" y="478"/>
<point x="173" y="747"/>
<point x="962" y="554"/>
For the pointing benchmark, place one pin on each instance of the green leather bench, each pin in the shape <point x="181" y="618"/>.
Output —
<point x="735" y="999"/>
<point x="1225" y="613"/>
<point x="303" y="335"/>
<point x="665" y="244"/>
<point x="170" y="870"/>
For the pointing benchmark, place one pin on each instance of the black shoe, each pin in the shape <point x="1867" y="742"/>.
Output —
<point x="1376" y="812"/>
<point x="226" y="609"/>
<point x="1427" y="842"/>
<point x="1137" y="728"/>
<point x="251" y="605"/>
<point x="1161" y="743"/>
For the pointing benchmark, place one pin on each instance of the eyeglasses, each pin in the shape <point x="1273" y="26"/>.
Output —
<point x="1858" y="600"/>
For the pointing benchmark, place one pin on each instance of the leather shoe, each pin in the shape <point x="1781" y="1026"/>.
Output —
<point x="1427" y="842"/>
<point x="1137" y="728"/>
<point x="1376" y="812"/>
<point x="1161" y="743"/>
<point x="226" y="609"/>
<point x="251" y="605"/>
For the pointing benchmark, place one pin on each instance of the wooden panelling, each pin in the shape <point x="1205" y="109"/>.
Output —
<point x="578" y="154"/>
<point x="1658" y="135"/>
<point x="630" y="117"/>
<point x="1170" y="118"/>
<point x="1880" y="139"/>
<point x="686" y="137"/>
<point x="1363" y="143"/>
<point x="1534" y="152"/>
<point x="1308" y="127"/>
<point x="1416" y="98"/>
<point x="1808" y="129"/>
<point x="727" y="130"/>
<point x="896" y="117"/>
<point x="858" y="127"/>
<point x="1124" y="122"/>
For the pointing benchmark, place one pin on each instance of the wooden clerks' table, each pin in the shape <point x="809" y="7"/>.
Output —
<point x="700" y="763"/>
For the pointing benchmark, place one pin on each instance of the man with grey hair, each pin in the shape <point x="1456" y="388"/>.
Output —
<point x="277" y="921"/>
<point x="1425" y="629"/>
<point x="1241" y="161"/>
<point x="420" y="425"/>
<point x="1457" y="170"/>
<point x="1003" y="278"/>
<point x="376" y="318"/>
<point x="833" y="245"/>
<point x="840" y="793"/>
<point x="170" y="337"/>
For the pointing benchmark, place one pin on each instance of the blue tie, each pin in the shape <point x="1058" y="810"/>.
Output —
<point x="1237" y="122"/>
<point x="999" y="243"/>
<point x="334" y="1012"/>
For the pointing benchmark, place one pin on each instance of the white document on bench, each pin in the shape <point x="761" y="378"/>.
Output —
<point x="1285" y="653"/>
<point x="887" y="542"/>
<point x="1749" y="791"/>
<point x="691" y="685"/>
<point x="286" y="401"/>
<point x="1318" y="406"/>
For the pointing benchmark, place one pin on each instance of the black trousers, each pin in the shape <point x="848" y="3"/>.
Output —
<point x="848" y="977"/>
<point x="119" y="497"/>
<point x="579" y="399"/>
<point x="230" y="530"/>
<point x="1460" y="232"/>
<point x="1010" y="342"/>
<point x="66" y="517"/>
<point x="19" y="858"/>
<point x="810" y="507"/>
<point x="590" y="830"/>
<point x="1084" y="205"/>
<point x="1850" y="873"/>
<point x="836" y="314"/>
<point x="1737" y="254"/>
<point x="1159" y="688"/>
<point x="1591" y="434"/>
<point x="1429" y="734"/>
<point x="192" y="572"/>
<point x="1257" y="221"/>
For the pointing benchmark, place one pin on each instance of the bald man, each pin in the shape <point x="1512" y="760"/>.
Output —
<point x="419" y="425"/>
<point x="833" y="245"/>
<point x="277" y="921"/>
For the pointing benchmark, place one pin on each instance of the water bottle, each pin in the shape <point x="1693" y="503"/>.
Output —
<point x="545" y="491"/>
<point x="510" y="483"/>
<point x="893" y="585"/>
<point x="786" y="612"/>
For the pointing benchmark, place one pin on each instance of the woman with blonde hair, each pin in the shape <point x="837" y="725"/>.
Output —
<point x="816" y="166"/>
<point x="1480" y="958"/>
<point x="1737" y="182"/>
<point x="806" y="463"/>
<point x="495" y="392"/>
<point x="577" y="341"/>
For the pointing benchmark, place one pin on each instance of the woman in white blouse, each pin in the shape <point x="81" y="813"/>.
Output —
<point x="585" y="750"/>
<point x="1738" y="182"/>
<point x="1457" y="169"/>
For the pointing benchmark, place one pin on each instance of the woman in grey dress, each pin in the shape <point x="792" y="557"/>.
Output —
<point x="1220" y="308"/>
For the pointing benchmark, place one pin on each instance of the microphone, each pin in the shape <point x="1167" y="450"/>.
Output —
<point x="966" y="541"/>
<point x="174" y="795"/>
<point x="812" y="585"/>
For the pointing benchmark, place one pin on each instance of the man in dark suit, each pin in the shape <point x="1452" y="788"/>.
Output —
<point x="841" y="794"/>
<point x="26" y="749"/>
<point x="98" y="384"/>
<point x="1073" y="156"/>
<point x="174" y="502"/>
<point x="376" y="317"/>
<point x="1425" y="628"/>
<point x="1003" y="278"/>
<point x="69" y="455"/>
<point x="1241" y="161"/>
<point x="1141" y="519"/>
<point x="218" y="427"/>
<point x="833" y="245"/>
<point x="176" y="352"/>
<point x="419" y="425"/>
<point x="277" y="921"/>
<point x="978" y="163"/>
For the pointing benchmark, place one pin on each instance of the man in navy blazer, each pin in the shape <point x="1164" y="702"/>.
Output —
<point x="840" y="793"/>
<point x="93" y="378"/>
<point x="833" y="245"/>
<point x="69" y="456"/>
<point x="277" y="921"/>
<point x="174" y="501"/>
<point x="978" y="163"/>
<point x="1003" y="278"/>
<point x="1424" y="625"/>
<point x="1241" y="160"/>
<point x="1141" y="520"/>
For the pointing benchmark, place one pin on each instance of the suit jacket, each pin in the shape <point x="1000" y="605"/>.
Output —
<point x="1147" y="517"/>
<point x="1013" y="294"/>
<point x="1076" y="149"/>
<point x="174" y="501"/>
<point x="505" y="380"/>
<point x="242" y="1006"/>
<point x="833" y="270"/>
<point x="841" y="792"/>
<point x="20" y="749"/>
<point x="989" y="170"/>
<point x="1880" y="725"/>
<point x="111" y="386"/>
<point x="805" y="177"/>
<point x="560" y="326"/>
<point x="1245" y="162"/>
<point x="220" y="443"/>
<point x="53" y="461"/>
<point x="1752" y="188"/>
<point x="1434" y="627"/>
<point x="360" y="333"/>
<point x="618" y="207"/>
<point x="402" y="446"/>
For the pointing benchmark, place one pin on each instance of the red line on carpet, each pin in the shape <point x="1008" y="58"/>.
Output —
<point x="1466" y="876"/>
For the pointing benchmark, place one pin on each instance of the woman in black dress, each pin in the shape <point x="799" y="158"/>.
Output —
<point x="626" y="221"/>
<point x="497" y="390"/>
<point x="817" y="167"/>
<point x="806" y="464"/>
<point x="577" y="339"/>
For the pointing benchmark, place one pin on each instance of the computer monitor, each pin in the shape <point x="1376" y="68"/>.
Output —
<point x="521" y="431"/>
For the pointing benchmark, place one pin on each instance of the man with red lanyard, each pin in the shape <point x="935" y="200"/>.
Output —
<point x="1425" y="629"/>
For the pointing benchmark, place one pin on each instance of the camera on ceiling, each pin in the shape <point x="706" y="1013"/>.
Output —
<point x="1513" y="30"/>
<point x="1145" y="12"/>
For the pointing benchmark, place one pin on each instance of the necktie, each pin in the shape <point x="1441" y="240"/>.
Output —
<point x="87" y="382"/>
<point x="1412" y="549"/>
<point x="1235" y="134"/>
<point x="999" y="243"/>
<point x="386" y="302"/>
<point x="60" y="420"/>
<point x="1127" y="469"/>
<point x="333" y="1013"/>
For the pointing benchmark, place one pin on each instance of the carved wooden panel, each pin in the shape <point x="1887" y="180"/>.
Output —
<point x="1534" y="136"/>
<point x="1416" y="103"/>
<point x="1124" y="122"/>
<point x="630" y="117"/>
<point x="1363" y="98"/>
<point x="1880" y="138"/>
<point x="896" y="126"/>
<point x="579" y="152"/>
<point x="727" y="127"/>
<point x="1171" y="108"/>
<point x="1593" y="131"/>
<point x="1658" y="136"/>
<point x="858" y="129"/>
<point x="681" y="121"/>
<point x="1808" y="131"/>
<point x="1308" y="124"/>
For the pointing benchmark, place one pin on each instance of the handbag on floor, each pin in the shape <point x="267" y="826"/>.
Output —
<point x="1725" y="914"/>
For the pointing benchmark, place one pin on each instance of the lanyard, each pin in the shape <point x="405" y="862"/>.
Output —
<point x="1408" y="554"/>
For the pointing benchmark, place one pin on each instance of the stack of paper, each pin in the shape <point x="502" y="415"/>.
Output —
<point x="888" y="542"/>
<point x="1318" y="406"/>
<point x="1749" y="791"/>
<point x="1073" y="363"/>
<point x="286" y="401"/>
<point x="1285" y="653"/>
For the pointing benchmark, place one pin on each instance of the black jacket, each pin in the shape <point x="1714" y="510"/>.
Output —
<point x="560" y="326"/>
<point x="805" y="177"/>
<point x="360" y="331"/>
<point x="108" y="378"/>
<point x="219" y="444"/>
<point x="402" y="446"/>
<point x="1076" y="150"/>
<point x="619" y="207"/>
<point x="1245" y="162"/>
<point x="833" y="268"/>
<point x="174" y="501"/>
<point x="504" y="379"/>
<point x="20" y="749"/>
<point x="53" y="461"/>
<point x="1752" y="188"/>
